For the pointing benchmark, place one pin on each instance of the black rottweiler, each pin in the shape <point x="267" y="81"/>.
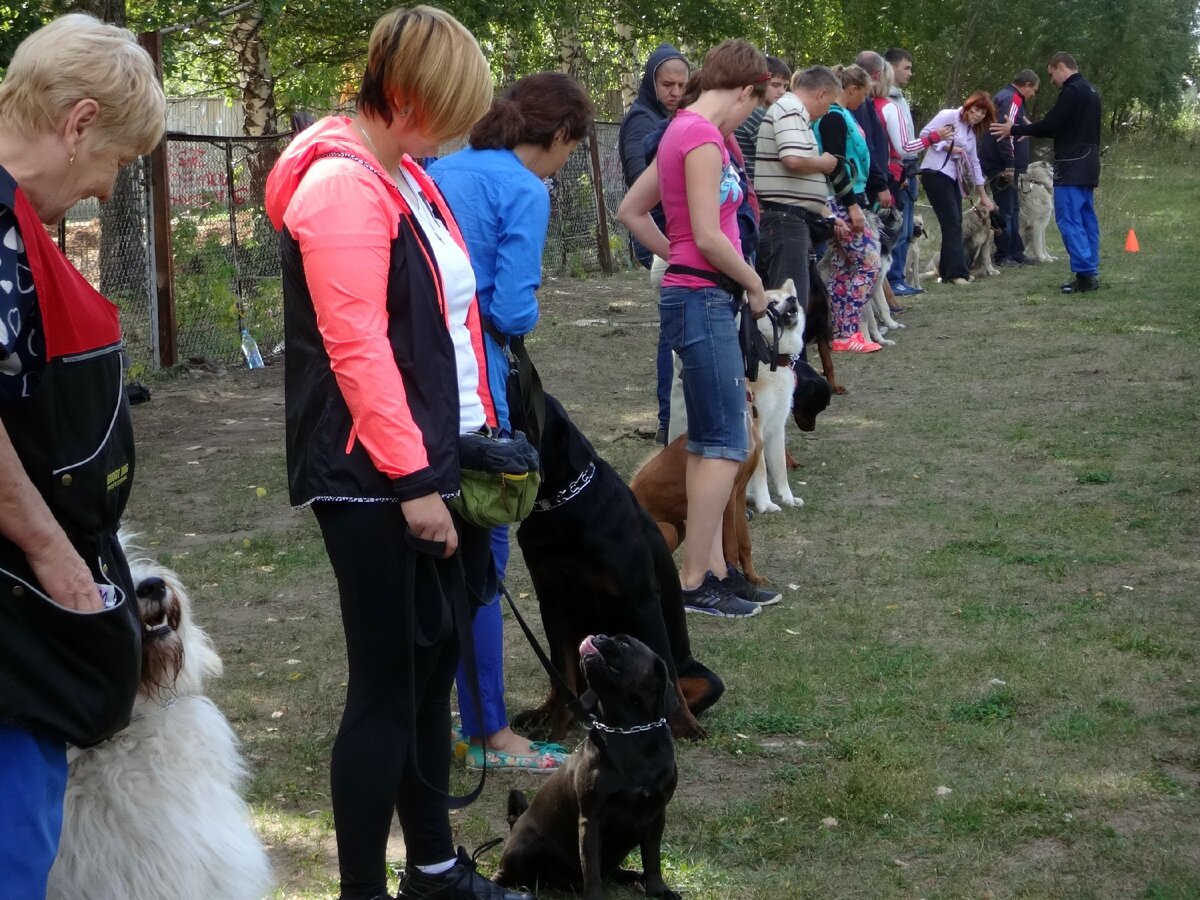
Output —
<point x="810" y="397"/>
<point x="600" y="564"/>
<point x="612" y="793"/>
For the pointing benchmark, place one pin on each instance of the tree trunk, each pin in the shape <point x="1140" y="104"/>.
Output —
<point x="570" y="50"/>
<point x="261" y="116"/>
<point x="628" y="75"/>
<point x="254" y="73"/>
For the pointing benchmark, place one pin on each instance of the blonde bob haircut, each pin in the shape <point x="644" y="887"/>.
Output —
<point x="852" y="76"/>
<point x="887" y="78"/>
<point x="78" y="57"/>
<point x="423" y="62"/>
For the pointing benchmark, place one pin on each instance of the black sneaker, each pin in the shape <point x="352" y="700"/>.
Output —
<point x="741" y="586"/>
<point x="660" y="436"/>
<point x="713" y="598"/>
<point x="459" y="882"/>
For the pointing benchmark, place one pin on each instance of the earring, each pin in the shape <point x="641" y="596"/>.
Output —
<point x="71" y="160"/>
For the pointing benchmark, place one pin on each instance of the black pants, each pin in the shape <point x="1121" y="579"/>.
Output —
<point x="1008" y="244"/>
<point x="376" y="754"/>
<point x="783" y="250"/>
<point x="946" y="200"/>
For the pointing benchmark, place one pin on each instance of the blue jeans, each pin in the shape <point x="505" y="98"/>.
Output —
<point x="1009" y="244"/>
<point x="1075" y="213"/>
<point x="488" y="629"/>
<point x="906" y="199"/>
<point x="699" y="324"/>
<point x="33" y="781"/>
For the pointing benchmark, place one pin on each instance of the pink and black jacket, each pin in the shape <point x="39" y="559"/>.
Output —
<point x="371" y="379"/>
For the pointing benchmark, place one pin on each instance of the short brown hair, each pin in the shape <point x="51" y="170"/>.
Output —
<point x="816" y="78"/>
<point x="734" y="63"/>
<point x="425" y="59"/>
<point x="1063" y="58"/>
<point x="533" y="111"/>
<point x="979" y="100"/>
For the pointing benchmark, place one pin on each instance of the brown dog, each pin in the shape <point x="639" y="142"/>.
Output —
<point x="661" y="490"/>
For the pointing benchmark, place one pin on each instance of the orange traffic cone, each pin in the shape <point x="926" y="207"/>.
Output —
<point x="1131" y="242"/>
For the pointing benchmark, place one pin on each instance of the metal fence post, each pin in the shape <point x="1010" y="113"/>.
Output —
<point x="603" y="250"/>
<point x="160" y="215"/>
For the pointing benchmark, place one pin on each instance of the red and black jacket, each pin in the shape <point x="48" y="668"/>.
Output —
<point x="63" y="673"/>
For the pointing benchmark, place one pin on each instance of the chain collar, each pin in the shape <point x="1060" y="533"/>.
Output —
<point x="636" y="729"/>
<point x="570" y="492"/>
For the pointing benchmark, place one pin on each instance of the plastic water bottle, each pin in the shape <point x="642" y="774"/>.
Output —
<point x="254" y="359"/>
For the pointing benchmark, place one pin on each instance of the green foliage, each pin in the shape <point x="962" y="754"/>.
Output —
<point x="995" y="706"/>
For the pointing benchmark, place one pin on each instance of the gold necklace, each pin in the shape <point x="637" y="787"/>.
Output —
<point x="367" y="138"/>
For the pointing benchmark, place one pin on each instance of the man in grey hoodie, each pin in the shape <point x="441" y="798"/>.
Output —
<point x="662" y="87"/>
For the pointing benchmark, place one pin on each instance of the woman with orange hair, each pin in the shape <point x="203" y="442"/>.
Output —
<point x="949" y="172"/>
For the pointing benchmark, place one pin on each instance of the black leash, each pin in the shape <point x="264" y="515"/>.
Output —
<point x="573" y="702"/>
<point x="456" y="608"/>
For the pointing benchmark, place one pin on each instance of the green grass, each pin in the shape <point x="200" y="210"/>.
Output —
<point x="982" y="679"/>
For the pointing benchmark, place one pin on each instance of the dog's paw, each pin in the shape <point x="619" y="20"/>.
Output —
<point x="793" y="502"/>
<point x="886" y="342"/>
<point x="898" y="326"/>
<point x="767" y="507"/>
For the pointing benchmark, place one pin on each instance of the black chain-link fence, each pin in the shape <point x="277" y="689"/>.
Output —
<point x="226" y="255"/>
<point x="109" y="243"/>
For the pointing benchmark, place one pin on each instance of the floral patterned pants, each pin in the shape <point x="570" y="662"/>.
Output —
<point x="855" y="265"/>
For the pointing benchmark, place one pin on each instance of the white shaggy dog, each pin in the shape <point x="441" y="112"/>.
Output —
<point x="155" y="813"/>
<point x="773" y="401"/>
<point x="876" y="318"/>
<point x="1035" y="198"/>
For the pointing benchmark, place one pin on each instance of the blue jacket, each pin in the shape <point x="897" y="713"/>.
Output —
<point x="996" y="155"/>
<point x="877" y="146"/>
<point x="503" y="211"/>
<point x="643" y="116"/>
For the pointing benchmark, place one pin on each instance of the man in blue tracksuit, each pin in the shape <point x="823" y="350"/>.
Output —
<point x="1074" y="123"/>
<point x="1003" y="159"/>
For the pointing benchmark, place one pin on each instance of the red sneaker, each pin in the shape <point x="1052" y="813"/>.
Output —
<point x="856" y="343"/>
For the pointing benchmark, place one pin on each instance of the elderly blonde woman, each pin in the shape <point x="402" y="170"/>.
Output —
<point x="385" y="370"/>
<point x="79" y="101"/>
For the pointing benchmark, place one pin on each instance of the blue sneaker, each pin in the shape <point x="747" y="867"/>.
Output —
<point x="901" y="289"/>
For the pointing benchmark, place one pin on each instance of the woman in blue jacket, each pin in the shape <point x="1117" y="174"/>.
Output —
<point x="496" y="188"/>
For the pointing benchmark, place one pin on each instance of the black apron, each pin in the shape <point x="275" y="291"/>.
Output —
<point x="65" y="674"/>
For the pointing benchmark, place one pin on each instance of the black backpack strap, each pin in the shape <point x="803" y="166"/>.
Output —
<point x="718" y="279"/>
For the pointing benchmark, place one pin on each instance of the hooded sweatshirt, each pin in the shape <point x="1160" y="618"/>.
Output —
<point x="645" y="113"/>
<point x="376" y="353"/>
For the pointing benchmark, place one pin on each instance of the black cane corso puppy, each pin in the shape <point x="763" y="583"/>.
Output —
<point x="599" y="564"/>
<point x="612" y="793"/>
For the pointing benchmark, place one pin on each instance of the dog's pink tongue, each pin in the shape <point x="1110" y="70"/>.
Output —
<point x="587" y="646"/>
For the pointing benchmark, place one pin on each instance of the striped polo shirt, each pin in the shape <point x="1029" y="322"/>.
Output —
<point x="786" y="130"/>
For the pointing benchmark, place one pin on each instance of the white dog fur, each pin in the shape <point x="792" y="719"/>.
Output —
<point x="1035" y="198"/>
<point x="773" y="401"/>
<point x="155" y="812"/>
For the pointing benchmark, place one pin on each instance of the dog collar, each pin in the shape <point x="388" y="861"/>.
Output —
<point x="636" y="729"/>
<point x="570" y="492"/>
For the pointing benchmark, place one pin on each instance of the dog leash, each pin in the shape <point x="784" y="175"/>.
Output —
<point x="560" y="683"/>
<point x="458" y="608"/>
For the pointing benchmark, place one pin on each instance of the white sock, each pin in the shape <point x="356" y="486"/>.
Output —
<point x="438" y="868"/>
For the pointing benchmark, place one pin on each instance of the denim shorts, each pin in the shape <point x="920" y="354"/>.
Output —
<point x="699" y="325"/>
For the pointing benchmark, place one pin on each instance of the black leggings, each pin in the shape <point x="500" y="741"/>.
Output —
<point x="375" y="756"/>
<point x="946" y="199"/>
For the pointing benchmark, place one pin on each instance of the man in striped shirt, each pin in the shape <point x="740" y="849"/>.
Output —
<point x="790" y="178"/>
<point x="1004" y="158"/>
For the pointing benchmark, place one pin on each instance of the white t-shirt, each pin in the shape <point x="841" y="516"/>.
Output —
<point x="458" y="281"/>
